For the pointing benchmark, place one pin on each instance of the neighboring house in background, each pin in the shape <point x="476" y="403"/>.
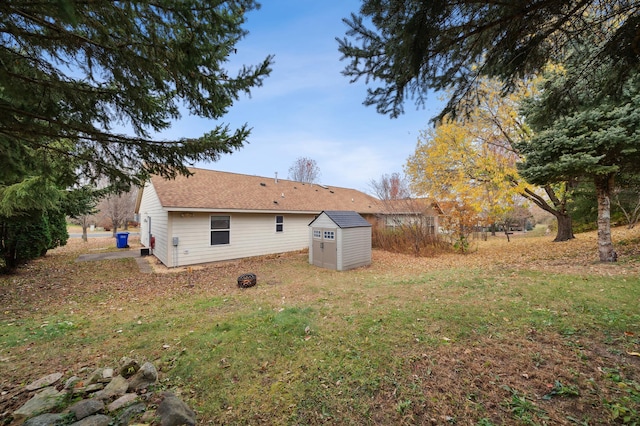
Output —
<point x="421" y="211"/>
<point x="214" y="216"/>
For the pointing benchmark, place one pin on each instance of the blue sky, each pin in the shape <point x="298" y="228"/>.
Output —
<point x="307" y="108"/>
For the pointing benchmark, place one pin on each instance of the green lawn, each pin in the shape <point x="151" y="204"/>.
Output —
<point x="528" y="332"/>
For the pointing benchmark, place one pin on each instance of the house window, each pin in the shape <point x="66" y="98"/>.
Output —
<point x="329" y="235"/>
<point x="220" y="230"/>
<point x="430" y="224"/>
<point x="279" y="223"/>
<point x="317" y="233"/>
<point x="393" y="221"/>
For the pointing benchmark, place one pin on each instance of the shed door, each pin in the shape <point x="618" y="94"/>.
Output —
<point x="325" y="248"/>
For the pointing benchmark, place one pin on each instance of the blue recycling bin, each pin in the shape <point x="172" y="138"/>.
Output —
<point x="121" y="239"/>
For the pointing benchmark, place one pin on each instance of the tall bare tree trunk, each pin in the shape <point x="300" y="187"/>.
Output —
<point x="604" y="189"/>
<point x="84" y="222"/>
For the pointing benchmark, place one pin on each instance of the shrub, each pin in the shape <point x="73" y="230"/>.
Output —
<point x="30" y="235"/>
<point x="409" y="239"/>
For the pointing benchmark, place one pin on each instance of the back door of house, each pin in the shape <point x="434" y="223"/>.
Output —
<point x="325" y="249"/>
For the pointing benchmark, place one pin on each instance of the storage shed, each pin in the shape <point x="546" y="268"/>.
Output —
<point x="339" y="240"/>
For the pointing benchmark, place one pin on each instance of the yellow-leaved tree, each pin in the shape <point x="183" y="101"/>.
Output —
<point x="469" y="165"/>
<point x="496" y="123"/>
<point x="465" y="176"/>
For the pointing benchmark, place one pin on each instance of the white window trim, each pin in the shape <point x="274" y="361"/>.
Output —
<point x="211" y="230"/>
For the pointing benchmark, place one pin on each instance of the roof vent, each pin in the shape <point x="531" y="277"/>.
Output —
<point x="331" y="191"/>
<point x="263" y="184"/>
<point x="282" y="195"/>
<point x="275" y="202"/>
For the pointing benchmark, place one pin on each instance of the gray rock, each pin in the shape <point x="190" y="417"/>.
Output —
<point x="128" y="409"/>
<point x="128" y="367"/>
<point x="86" y="408"/>
<point x="71" y="382"/>
<point x="174" y="412"/>
<point x="149" y="417"/>
<point x="145" y="377"/>
<point x="44" y="382"/>
<point x="94" y="387"/>
<point x="129" y="413"/>
<point x="41" y="402"/>
<point x="124" y="400"/>
<point x="96" y="420"/>
<point x="95" y="377"/>
<point x="116" y="387"/>
<point x="47" y="419"/>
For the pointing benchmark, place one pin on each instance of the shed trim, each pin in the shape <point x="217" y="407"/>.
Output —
<point x="345" y="219"/>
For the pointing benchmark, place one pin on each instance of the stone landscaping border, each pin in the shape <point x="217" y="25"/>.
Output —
<point x="103" y="397"/>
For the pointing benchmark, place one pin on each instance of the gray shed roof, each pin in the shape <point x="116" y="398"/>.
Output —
<point x="345" y="219"/>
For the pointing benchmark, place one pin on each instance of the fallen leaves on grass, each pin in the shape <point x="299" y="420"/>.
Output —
<point x="578" y="256"/>
<point x="453" y="377"/>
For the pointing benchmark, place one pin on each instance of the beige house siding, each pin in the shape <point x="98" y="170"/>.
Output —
<point x="152" y="214"/>
<point x="250" y="234"/>
<point x="191" y="231"/>
<point x="428" y="220"/>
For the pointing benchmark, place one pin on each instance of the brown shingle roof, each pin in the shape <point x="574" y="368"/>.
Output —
<point x="412" y="206"/>
<point x="214" y="190"/>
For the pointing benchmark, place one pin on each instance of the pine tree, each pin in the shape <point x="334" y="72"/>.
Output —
<point x="81" y="71"/>
<point x="85" y="85"/>
<point x="405" y="48"/>
<point x="579" y="134"/>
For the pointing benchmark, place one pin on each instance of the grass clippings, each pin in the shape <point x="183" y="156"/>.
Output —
<point x="526" y="332"/>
